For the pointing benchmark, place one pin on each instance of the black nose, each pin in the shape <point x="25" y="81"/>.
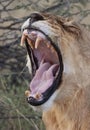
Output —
<point x="35" y="17"/>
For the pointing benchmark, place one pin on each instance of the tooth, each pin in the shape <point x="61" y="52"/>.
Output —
<point x="24" y="36"/>
<point x="30" y="43"/>
<point x="27" y="93"/>
<point x="38" y="40"/>
<point x="38" y="95"/>
<point x="50" y="47"/>
<point x="22" y="40"/>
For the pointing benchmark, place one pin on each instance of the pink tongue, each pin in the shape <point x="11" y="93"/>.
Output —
<point x="43" y="78"/>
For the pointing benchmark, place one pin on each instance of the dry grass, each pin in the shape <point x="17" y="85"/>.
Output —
<point x="15" y="112"/>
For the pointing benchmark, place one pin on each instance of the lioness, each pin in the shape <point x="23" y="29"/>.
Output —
<point x="59" y="61"/>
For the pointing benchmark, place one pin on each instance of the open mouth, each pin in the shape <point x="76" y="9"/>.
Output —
<point x="46" y="63"/>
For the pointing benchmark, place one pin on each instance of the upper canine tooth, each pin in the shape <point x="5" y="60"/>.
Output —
<point x="24" y="36"/>
<point x="30" y="43"/>
<point x="38" y="40"/>
<point x="22" y="40"/>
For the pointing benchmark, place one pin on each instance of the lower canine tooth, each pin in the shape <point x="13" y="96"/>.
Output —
<point x="27" y="93"/>
<point x="38" y="95"/>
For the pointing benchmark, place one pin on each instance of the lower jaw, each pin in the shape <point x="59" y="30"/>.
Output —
<point x="46" y="95"/>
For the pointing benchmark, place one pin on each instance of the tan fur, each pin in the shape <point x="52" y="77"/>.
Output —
<point x="71" y="107"/>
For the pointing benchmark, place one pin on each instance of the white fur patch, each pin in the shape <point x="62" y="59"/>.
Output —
<point x="48" y="104"/>
<point x="45" y="27"/>
<point x="26" y="24"/>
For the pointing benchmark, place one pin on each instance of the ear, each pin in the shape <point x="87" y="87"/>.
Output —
<point x="71" y="26"/>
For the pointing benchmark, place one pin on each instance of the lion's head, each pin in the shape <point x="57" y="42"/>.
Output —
<point x="53" y="51"/>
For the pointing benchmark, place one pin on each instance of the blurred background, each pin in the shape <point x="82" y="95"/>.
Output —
<point x="15" y="112"/>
